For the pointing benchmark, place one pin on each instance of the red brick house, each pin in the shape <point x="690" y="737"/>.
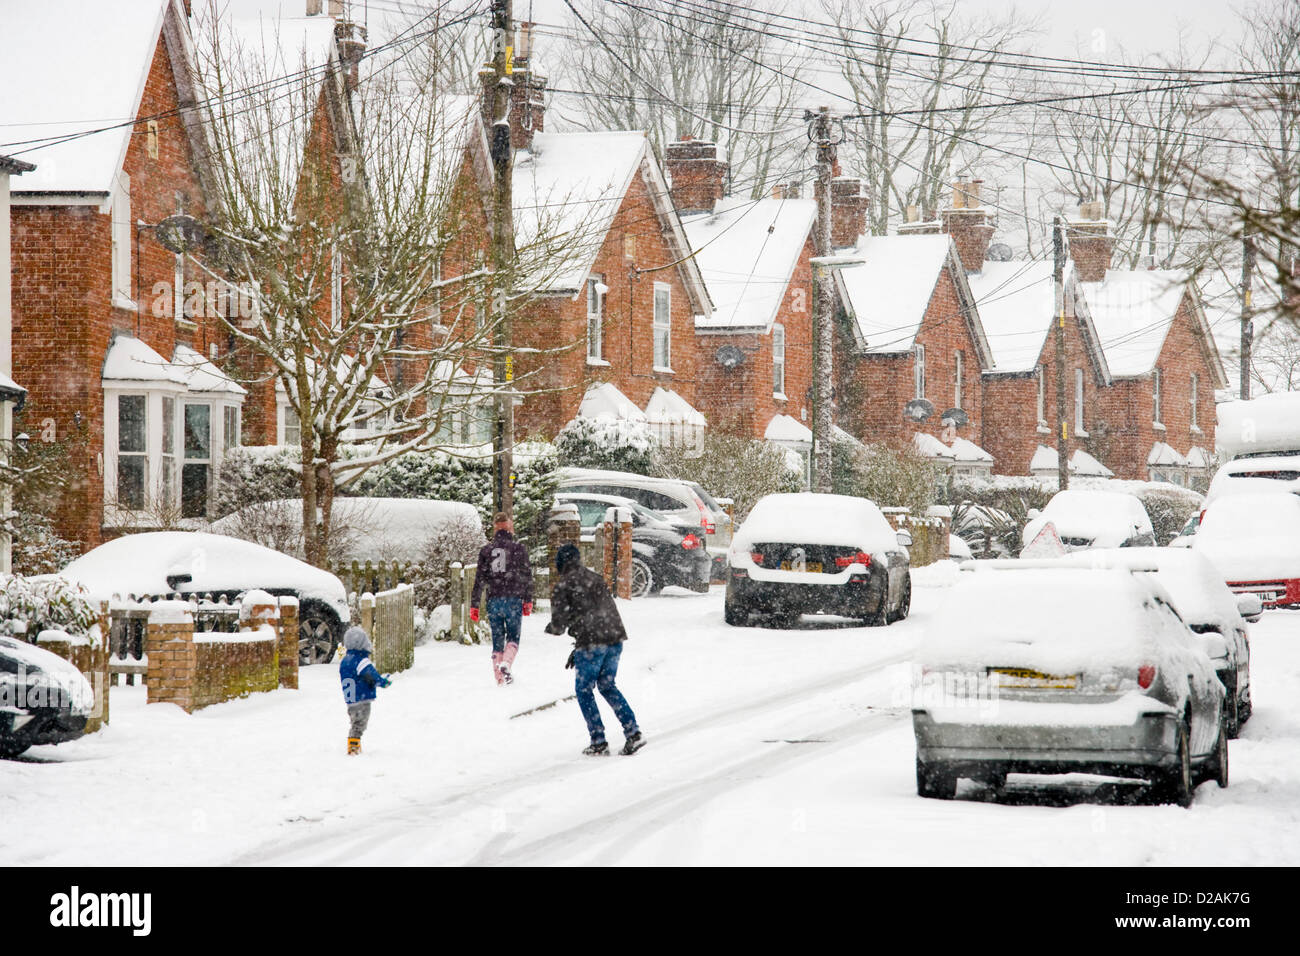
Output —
<point x="755" y="350"/>
<point x="12" y="395"/>
<point x="911" y="331"/>
<point x="117" y="362"/>
<point x="1156" y="421"/>
<point x="613" y="293"/>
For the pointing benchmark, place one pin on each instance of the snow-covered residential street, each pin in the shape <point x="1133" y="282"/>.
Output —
<point x="765" y="747"/>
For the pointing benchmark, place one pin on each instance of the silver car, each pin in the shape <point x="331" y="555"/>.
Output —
<point x="1050" y="668"/>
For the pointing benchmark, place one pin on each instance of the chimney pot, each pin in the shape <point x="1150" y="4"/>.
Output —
<point x="968" y="224"/>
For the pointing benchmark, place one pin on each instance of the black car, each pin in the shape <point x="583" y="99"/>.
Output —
<point x="43" y="698"/>
<point x="817" y="554"/>
<point x="664" y="551"/>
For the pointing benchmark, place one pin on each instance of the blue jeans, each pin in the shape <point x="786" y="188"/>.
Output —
<point x="504" y="614"/>
<point x="596" y="667"/>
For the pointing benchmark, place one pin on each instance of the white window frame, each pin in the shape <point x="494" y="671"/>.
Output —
<point x="778" y="361"/>
<point x="1156" y="399"/>
<point x="290" y="426"/>
<point x="1196" y="382"/>
<point x="336" y="286"/>
<point x="121" y="228"/>
<point x="595" y="320"/>
<point x="918" y="370"/>
<point x="169" y="474"/>
<point x="143" y="454"/>
<point x="210" y="461"/>
<point x="958" y="364"/>
<point x="662" y="328"/>
<point x="1079" y="430"/>
<point x="1042" y="398"/>
<point x="232" y="427"/>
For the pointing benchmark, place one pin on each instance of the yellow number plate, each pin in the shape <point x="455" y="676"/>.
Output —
<point x="1020" y="677"/>
<point x="813" y="567"/>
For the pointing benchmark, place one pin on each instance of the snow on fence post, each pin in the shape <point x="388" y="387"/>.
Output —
<point x="173" y="658"/>
<point x="564" y="527"/>
<point x="288" y="649"/>
<point x="366" y="605"/>
<point x="89" y="655"/>
<point x="607" y="538"/>
<point x="393" y="636"/>
<point x="456" y="595"/>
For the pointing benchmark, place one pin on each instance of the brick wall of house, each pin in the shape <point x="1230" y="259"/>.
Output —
<point x="1128" y="409"/>
<point x="62" y="297"/>
<point x="874" y="388"/>
<point x="559" y="325"/>
<point x="740" y="401"/>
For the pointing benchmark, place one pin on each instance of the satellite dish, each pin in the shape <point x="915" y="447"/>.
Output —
<point x="918" y="409"/>
<point x="180" y="233"/>
<point x="999" y="252"/>
<point x="954" y="416"/>
<point x="729" y="356"/>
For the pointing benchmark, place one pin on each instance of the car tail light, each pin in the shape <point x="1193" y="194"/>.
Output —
<point x="1146" y="675"/>
<point x="860" y="558"/>
<point x="690" y="542"/>
<point x="756" y="557"/>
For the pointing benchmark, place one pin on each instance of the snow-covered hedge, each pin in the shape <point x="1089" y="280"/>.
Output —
<point x="891" y="477"/>
<point x="612" y="444"/>
<point x="741" y="469"/>
<point x="29" y="606"/>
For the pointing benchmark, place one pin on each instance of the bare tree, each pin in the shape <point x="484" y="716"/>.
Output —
<point x="923" y="94"/>
<point x="721" y="74"/>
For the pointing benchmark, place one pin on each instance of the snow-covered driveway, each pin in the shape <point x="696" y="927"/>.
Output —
<point x="782" y="747"/>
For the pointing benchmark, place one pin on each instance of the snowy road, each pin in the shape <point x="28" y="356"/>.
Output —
<point x="782" y="747"/>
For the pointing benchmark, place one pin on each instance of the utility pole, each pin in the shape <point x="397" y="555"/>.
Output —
<point x="819" y="133"/>
<point x="503" y="432"/>
<point x="1058" y="279"/>
<point x="1247" y="326"/>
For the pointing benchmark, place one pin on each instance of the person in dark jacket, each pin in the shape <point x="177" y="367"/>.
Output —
<point x="360" y="679"/>
<point x="583" y="605"/>
<point x="504" y="569"/>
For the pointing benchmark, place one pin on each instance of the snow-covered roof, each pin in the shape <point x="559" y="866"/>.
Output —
<point x="130" y="360"/>
<point x="1084" y="465"/>
<point x="1165" y="456"/>
<point x="748" y="251"/>
<point x="930" y="447"/>
<point x="788" y="429"/>
<point x="1198" y="457"/>
<point x="201" y="375"/>
<point x="667" y="407"/>
<point x="966" y="450"/>
<point x="888" y="294"/>
<point x="9" y="389"/>
<point x="961" y="450"/>
<point x="604" y="400"/>
<point x="1133" y="311"/>
<point x="69" y="69"/>
<point x="1044" y="459"/>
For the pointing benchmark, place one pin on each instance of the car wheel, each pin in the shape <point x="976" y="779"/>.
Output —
<point x="904" y="602"/>
<point x="881" y="615"/>
<point x="1175" y="785"/>
<point x="734" y="615"/>
<point x="934" y="780"/>
<point x="1231" y="715"/>
<point x="783" y="620"/>
<point x="318" y="634"/>
<point x="11" y="748"/>
<point x="643" y="579"/>
<point x="1216" y="768"/>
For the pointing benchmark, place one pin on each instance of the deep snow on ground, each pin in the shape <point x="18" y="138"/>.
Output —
<point x="765" y="746"/>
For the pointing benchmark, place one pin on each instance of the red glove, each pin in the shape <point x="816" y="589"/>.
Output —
<point x="528" y="608"/>
<point x="473" y="614"/>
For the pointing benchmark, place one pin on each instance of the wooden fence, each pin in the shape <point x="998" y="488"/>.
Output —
<point x="358" y="577"/>
<point x="389" y="618"/>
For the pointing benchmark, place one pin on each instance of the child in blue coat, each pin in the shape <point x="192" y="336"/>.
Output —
<point x="360" y="679"/>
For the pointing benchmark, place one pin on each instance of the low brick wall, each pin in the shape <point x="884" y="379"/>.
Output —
<point x="89" y="655"/>
<point x="929" y="535"/>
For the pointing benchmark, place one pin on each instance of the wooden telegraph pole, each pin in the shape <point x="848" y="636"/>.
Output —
<point x="503" y="432"/>
<point x="1247" y="326"/>
<point x="819" y="133"/>
<point x="1058" y="276"/>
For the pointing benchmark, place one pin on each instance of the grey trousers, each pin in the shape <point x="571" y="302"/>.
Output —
<point x="359" y="714"/>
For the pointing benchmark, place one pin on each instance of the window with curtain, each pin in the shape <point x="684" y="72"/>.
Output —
<point x="778" y="360"/>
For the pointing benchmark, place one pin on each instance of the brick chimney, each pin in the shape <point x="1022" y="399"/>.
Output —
<point x="967" y="221"/>
<point x="697" y="175"/>
<point x="1090" y="242"/>
<point x="848" y="211"/>
<point x="914" y="224"/>
<point x="350" y="38"/>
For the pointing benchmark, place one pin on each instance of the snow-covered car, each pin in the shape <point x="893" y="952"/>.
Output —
<point x="1048" y="668"/>
<point x="1208" y="607"/>
<point x="671" y="497"/>
<point x="1184" y="537"/>
<point x="1086" y="518"/>
<point x="1254" y="541"/>
<point x="194" y="563"/>
<point x="43" y="698"/>
<point x="664" y="552"/>
<point x="1264" y="473"/>
<point x="814" y="553"/>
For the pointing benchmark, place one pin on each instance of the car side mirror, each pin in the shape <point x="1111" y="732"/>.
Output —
<point x="904" y="539"/>
<point x="1250" y="607"/>
<point x="1214" y="646"/>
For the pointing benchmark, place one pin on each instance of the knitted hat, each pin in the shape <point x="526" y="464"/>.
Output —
<point x="567" y="556"/>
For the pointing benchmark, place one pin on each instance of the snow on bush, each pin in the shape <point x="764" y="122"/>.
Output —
<point x="741" y="469"/>
<point x="31" y="605"/>
<point x="37" y="547"/>
<point x="614" y="444"/>
<point x="250" y="477"/>
<point x="891" y="477"/>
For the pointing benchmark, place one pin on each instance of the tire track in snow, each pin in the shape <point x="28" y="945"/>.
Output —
<point x="396" y="826"/>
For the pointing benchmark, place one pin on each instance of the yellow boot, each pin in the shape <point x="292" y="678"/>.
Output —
<point x="354" y="745"/>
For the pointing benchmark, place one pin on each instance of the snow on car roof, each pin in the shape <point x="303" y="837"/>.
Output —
<point x="140" y="564"/>
<point x="1196" y="586"/>
<point x="809" y="518"/>
<point x="1057" y="620"/>
<point x="1253" y="537"/>
<point x="1087" y="508"/>
<point x="1270" y="423"/>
